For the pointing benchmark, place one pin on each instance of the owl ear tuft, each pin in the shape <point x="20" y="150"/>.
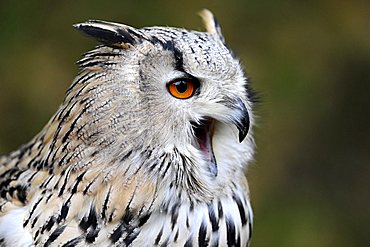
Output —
<point x="211" y="24"/>
<point x="110" y="33"/>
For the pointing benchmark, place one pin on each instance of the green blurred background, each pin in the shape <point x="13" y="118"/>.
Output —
<point x="310" y="61"/>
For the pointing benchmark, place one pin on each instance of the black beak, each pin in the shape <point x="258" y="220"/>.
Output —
<point x="242" y="121"/>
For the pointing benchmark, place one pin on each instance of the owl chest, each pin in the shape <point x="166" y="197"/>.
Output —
<point x="226" y="222"/>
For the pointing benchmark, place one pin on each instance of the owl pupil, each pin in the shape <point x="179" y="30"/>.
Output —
<point x="181" y="86"/>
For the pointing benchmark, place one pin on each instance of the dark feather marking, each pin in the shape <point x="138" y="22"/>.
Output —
<point x="105" y="204"/>
<point x="98" y="54"/>
<point x="49" y="224"/>
<point x="117" y="233"/>
<point x="9" y="176"/>
<point x="189" y="242"/>
<point x="238" y="241"/>
<point x="139" y="36"/>
<point x="21" y="192"/>
<point x="250" y="227"/>
<point x="126" y="37"/>
<point x="125" y="226"/>
<point x="61" y="176"/>
<point x="154" y="40"/>
<point x="32" y="176"/>
<point x="111" y="217"/>
<point x="34" y="163"/>
<point x="36" y="235"/>
<point x="56" y="134"/>
<point x="241" y="210"/>
<point x="202" y="235"/>
<point x="72" y="126"/>
<point x="78" y="181"/>
<point x="176" y="235"/>
<point x="179" y="59"/>
<point x="230" y="232"/>
<point x="191" y="208"/>
<point x="212" y="218"/>
<point x="144" y="219"/>
<point x="73" y="242"/>
<point x="3" y="193"/>
<point x="131" y="236"/>
<point x="174" y="215"/>
<point x="169" y="45"/>
<point x="202" y="39"/>
<point x="165" y="171"/>
<point x="66" y="154"/>
<point x="46" y="182"/>
<point x="90" y="225"/>
<point x="158" y="238"/>
<point x="34" y="221"/>
<point x="220" y="210"/>
<point x="89" y="185"/>
<point x="127" y="217"/>
<point x="96" y="62"/>
<point x="162" y="158"/>
<point x="64" y="183"/>
<point x="165" y="242"/>
<point x="11" y="172"/>
<point x="48" y="197"/>
<point x="92" y="235"/>
<point x="31" y="212"/>
<point x="59" y="230"/>
<point x="151" y="167"/>
<point x="90" y="221"/>
<point x="126" y="156"/>
<point x="81" y="80"/>
<point x="64" y="210"/>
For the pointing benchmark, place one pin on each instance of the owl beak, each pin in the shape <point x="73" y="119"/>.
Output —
<point x="241" y="121"/>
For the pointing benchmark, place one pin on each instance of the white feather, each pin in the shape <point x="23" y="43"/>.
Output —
<point x="12" y="231"/>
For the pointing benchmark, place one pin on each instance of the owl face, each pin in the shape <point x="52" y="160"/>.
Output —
<point x="174" y="89"/>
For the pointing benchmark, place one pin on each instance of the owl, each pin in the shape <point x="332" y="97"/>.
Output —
<point x="149" y="147"/>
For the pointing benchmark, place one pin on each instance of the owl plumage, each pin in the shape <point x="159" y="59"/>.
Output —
<point x="149" y="147"/>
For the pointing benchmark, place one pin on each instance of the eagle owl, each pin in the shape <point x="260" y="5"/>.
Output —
<point x="149" y="147"/>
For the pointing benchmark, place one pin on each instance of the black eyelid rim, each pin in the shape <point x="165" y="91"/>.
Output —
<point x="186" y="76"/>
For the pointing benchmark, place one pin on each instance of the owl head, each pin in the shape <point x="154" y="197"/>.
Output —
<point x="167" y="101"/>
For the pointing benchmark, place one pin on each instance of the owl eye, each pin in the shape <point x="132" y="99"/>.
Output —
<point x="182" y="88"/>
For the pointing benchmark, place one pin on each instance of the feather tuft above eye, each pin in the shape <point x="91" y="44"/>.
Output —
<point x="112" y="34"/>
<point x="211" y="24"/>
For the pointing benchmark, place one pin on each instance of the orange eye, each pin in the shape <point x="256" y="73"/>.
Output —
<point x="182" y="88"/>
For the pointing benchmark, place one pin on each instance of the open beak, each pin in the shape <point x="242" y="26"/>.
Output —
<point x="203" y="132"/>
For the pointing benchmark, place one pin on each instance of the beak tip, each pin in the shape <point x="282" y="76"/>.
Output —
<point x="243" y="124"/>
<point x="242" y="134"/>
<point x="241" y="119"/>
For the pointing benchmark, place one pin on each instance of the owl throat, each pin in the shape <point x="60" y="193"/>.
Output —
<point x="203" y="132"/>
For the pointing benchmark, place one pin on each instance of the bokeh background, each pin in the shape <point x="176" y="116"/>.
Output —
<point x="310" y="61"/>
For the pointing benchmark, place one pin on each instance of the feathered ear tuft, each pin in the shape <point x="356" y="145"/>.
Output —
<point x="110" y="33"/>
<point x="211" y="24"/>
